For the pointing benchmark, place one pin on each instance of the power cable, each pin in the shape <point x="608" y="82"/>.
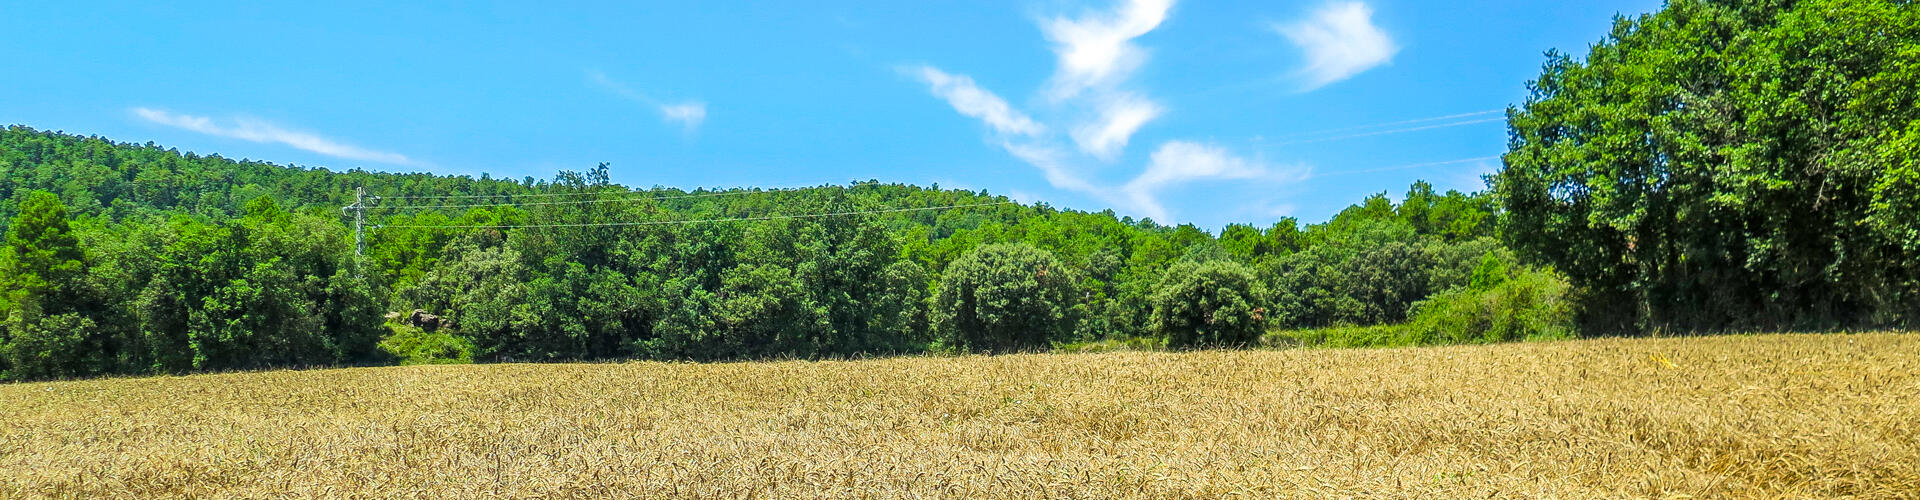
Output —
<point x="1405" y="167"/>
<point x="588" y="202"/>
<point x="472" y="196"/>
<point x="1385" y="132"/>
<point x="730" y="220"/>
<point x="1391" y="124"/>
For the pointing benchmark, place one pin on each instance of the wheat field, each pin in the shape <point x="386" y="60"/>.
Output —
<point x="1738" y="416"/>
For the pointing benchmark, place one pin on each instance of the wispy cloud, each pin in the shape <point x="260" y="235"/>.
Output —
<point x="1120" y="115"/>
<point x="1020" y="135"/>
<point x="1097" y="49"/>
<point x="1340" y="41"/>
<point x="1181" y="162"/>
<point x="689" y="114"/>
<point x="1090" y="91"/>
<point x="971" y="100"/>
<point x="1095" y="56"/>
<point x="1053" y="163"/>
<point x="248" y="129"/>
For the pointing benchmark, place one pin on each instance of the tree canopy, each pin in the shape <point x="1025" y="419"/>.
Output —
<point x="207" y="263"/>
<point x="1005" y="298"/>
<point x="1728" y="165"/>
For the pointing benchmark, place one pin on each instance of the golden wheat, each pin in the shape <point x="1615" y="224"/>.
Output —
<point x="1747" y="416"/>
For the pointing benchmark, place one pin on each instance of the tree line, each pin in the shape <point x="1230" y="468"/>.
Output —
<point x="146" y="280"/>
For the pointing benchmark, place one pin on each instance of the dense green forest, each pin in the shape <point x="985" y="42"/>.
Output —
<point x="135" y="259"/>
<point x="1710" y="167"/>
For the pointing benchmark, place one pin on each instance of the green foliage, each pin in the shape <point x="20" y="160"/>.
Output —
<point x="46" y="346"/>
<point x="1365" y="272"/>
<point x="47" y="309"/>
<point x="1502" y="306"/>
<point x="1491" y="272"/>
<point x="205" y="263"/>
<point x="1728" y="165"/>
<point x="1004" y="298"/>
<point x="1130" y="344"/>
<point x="1215" y="303"/>
<point x="1344" y="336"/>
<point x="413" y="346"/>
<point x="42" y="256"/>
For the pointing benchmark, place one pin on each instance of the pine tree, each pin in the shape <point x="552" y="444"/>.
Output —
<point x="41" y="271"/>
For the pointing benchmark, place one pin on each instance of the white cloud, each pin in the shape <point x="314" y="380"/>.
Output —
<point x="688" y="114"/>
<point x="970" y="100"/>
<point x="1096" y="54"/>
<point x="1340" y="41"/>
<point x="1052" y="163"/>
<point x="1096" y="58"/>
<point x="1120" y="115"/>
<point x="258" y="131"/>
<point x="1097" y="50"/>
<point x="1180" y="162"/>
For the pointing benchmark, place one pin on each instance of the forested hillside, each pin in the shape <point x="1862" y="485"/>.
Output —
<point x="128" y="258"/>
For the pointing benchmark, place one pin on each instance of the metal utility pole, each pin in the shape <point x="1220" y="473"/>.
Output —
<point x="359" y="211"/>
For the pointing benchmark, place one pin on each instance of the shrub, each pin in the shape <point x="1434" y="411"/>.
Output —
<point x="1004" y="298"/>
<point x="1342" y="336"/>
<point x="1127" y="344"/>
<point x="1499" y="307"/>
<point x="1216" y="303"/>
<point x="414" y="346"/>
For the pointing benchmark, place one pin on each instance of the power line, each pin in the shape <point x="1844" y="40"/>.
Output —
<point x="1410" y="166"/>
<point x="472" y="196"/>
<point x="1401" y="122"/>
<point x="588" y="202"/>
<point x="702" y="221"/>
<point x="548" y="195"/>
<point x="1385" y="132"/>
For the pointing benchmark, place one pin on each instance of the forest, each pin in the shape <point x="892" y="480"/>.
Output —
<point x="1712" y="167"/>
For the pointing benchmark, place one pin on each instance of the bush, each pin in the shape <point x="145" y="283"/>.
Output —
<point x="1004" y="298"/>
<point x="1500" y="306"/>
<point x="1127" y="344"/>
<point x="414" y="346"/>
<point x="45" y="348"/>
<point x="1341" y="337"/>
<point x="1367" y="273"/>
<point x="1216" y="303"/>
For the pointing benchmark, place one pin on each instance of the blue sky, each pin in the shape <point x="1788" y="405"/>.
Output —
<point x="1183" y="111"/>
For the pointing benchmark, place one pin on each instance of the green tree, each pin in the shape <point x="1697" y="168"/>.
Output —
<point x="764" y="310"/>
<point x="1726" y="165"/>
<point x="46" y="323"/>
<point x="1004" y="298"/>
<point x="1213" y="303"/>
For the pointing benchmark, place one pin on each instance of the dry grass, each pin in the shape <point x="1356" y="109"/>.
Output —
<point x="1759" y="416"/>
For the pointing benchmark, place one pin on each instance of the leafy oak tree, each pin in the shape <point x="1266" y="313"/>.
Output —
<point x="1216" y="303"/>
<point x="1727" y="165"/>
<point x="1005" y="298"/>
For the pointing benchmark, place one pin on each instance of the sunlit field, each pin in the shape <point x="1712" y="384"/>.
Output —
<point x="1771" y="415"/>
